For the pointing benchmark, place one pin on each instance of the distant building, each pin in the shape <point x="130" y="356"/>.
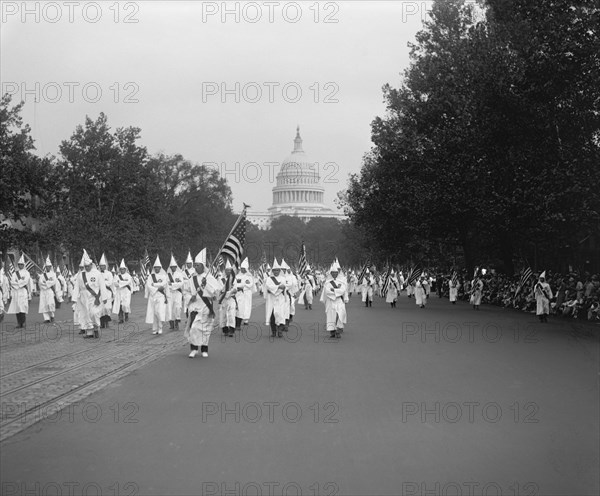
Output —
<point x="298" y="191"/>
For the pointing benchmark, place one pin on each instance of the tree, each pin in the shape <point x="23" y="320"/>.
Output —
<point x="24" y="185"/>
<point x="481" y="146"/>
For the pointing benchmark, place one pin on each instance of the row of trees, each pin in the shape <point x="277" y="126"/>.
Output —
<point x="491" y="146"/>
<point x="104" y="190"/>
<point x="323" y="238"/>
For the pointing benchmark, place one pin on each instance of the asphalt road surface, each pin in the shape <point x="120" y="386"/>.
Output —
<point x="439" y="401"/>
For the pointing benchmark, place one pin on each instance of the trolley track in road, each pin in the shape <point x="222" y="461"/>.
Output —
<point x="78" y="392"/>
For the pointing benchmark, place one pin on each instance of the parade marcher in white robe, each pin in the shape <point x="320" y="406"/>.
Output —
<point x="420" y="294"/>
<point x="20" y="285"/>
<point x="276" y="310"/>
<point x="188" y="273"/>
<point x="401" y="282"/>
<point x="4" y="292"/>
<point x="62" y="288"/>
<point x="453" y="286"/>
<point x="91" y="295"/>
<point x="175" y="294"/>
<point x="201" y="319"/>
<point x="392" y="290"/>
<point x="308" y="289"/>
<point x="107" y="280"/>
<point x="335" y="298"/>
<point x="244" y="285"/>
<point x="136" y="283"/>
<point x="289" y="299"/>
<point x="74" y="294"/>
<point x="156" y="292"/>
<point x="427" y="285"/>
<point x="543" y="295"/>
<point x="366" y="289"/>
<point x="228" y="305"/>
<point x="476" y="292"/>
<point x="48" y="283"/>
<point x="123" y="292"/>
<point x="352" y="283"/>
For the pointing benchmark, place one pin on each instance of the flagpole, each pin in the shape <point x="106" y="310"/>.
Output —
<point x="230" y="233"/>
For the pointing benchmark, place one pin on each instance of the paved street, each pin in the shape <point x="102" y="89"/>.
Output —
<point x="441" y="400"/>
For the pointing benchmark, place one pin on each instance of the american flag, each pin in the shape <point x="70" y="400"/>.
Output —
<point x="10" y="268"/>
<point x="454" y="278"/>
<point x="525" y="275"/>
<point x="262" y="269"/>
<point x="364" y="270"/>
<point x="216" y="267"/>
<point x="302" y="262"/>
<point x="143" y="264"/>
<point x="234" y="244"/>
<point x="30" y="264"/>
<point x="415" y="273"/>
<point x="386" y="282"/>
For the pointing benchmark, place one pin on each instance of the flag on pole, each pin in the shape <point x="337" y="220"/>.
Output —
<point x="364" y="270"/>
<point x="30" y="264"/>
<point x="525" y="276"/>
<point x="415" y="273"/>
<point x="217" y="266"/>
<point x="302" y="262"/>
<point x="10" y="268"/>
<point x="233" y="248"/>
<point x="386" y="282"/>
<point x="454" y="278"/>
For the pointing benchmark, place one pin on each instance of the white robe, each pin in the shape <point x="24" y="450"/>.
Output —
<point x="156" y="310"/>
<point x="4" y="291"/>
<point x="228" y="303"/>
<point x="543" y="294"/>
<point x="175" y="293"/>
<point x="477" y="292"/>
<point x="48" y="283"/>
<point x="198" y="333"/>
<point x="107" y="278"/>
<point x="453" y="290"/>
<point x="420" y="295"/>
<point x="20" y="284"/>
<point x="335" y="306"/>
<point x="187" y="287"/>
<point x="123" y="291"/>
<point x="275" y="300"/>
<point x="244" y="284"/>
<point x="88" y="312"/>
<point x="392" y="291"/>
<point x="366" y="288"/>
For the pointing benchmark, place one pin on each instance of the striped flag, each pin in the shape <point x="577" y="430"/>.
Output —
<point x="302" y="262"/>
<point x="233" y="248"/>
<point x="30" y="264"/>
<point x="364" y="270"/>
<point x="386" y="282"/>
<point x="454" y="278"/>
<point x="415" y="273"/>
<point x="10" y="268"/>
<point x="217" y="266"/>
<point x="525" y="276"/>
<point x="262" y="269"/>
<point x="143" y="266"/>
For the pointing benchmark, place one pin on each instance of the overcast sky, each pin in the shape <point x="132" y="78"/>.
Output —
<point x="165" y="74"/>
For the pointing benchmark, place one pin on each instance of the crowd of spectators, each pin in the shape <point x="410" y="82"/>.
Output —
<point x="574" y="295"/>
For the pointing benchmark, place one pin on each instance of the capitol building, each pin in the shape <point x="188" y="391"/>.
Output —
<point x="298" y="191"/>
